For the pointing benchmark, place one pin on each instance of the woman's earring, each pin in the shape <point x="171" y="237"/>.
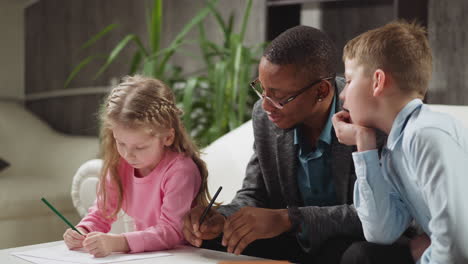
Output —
<point x="320" y="99"/>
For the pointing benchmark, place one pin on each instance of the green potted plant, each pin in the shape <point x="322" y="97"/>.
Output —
<point x="215" y="100"/>
<point x="150" y="58"/>
<point x="220" y="99"/>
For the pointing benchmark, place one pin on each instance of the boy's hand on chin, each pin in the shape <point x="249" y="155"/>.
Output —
<point x="352" y="134"/>
<point x="344" y="129"/>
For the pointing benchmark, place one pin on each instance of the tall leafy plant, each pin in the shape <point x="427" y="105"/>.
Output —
<point x="220" y="99"/>
<point x="149" y="58"/>
<point x="215" y="101"/>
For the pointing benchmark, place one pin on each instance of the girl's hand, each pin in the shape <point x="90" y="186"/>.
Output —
<point x="352" y="134"/>
<point x="100" y="244"/>
<point x="73" y="239"/>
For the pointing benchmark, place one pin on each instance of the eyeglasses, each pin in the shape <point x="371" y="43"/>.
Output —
<point x="256" y="85"/>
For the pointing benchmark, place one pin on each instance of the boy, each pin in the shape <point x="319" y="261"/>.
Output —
<point x="387" y="74"/>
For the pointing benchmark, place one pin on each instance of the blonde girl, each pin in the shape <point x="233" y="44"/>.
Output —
<point x="151" y="170"/>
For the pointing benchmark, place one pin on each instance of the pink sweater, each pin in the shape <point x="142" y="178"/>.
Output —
<point x="157" y="203"/>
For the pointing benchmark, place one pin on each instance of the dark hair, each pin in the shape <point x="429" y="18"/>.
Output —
<point x="308" y="48"/>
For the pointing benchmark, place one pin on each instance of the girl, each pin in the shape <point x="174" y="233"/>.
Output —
<point x="151" y="170"/>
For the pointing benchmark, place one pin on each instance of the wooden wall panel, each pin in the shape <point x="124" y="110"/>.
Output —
<point x="71" y="115"/>
<point x="342" y="21"/>
<point x="55" y="30"/>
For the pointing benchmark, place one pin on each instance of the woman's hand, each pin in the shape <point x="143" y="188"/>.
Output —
<point x="251" y="223"/>
<point x="210" y="228"/>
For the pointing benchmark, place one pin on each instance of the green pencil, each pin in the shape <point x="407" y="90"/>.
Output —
<point x="60" y="215"/>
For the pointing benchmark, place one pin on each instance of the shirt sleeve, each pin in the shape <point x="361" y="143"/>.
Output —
<point x="383" y="214"/>
<point x="437" y="156"/>
<point x="95" y="220"/>
<point x="180" y="187"/>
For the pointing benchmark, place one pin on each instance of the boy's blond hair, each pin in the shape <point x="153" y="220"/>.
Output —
<point x="398" y="48"/>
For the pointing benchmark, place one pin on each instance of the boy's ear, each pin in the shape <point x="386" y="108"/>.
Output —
<point x="378" y="82"/>
<point x="169" y="138"/>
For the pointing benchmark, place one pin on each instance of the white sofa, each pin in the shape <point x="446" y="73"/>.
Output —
<point x="42" y="164"/>
<point x="226" y="158"/>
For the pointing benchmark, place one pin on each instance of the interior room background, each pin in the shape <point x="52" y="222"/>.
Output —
<point x="40" y="46"/>
<point x="41" y="41"/>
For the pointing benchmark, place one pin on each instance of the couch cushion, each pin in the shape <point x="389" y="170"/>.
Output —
<point x="227" y="159"/>
<point x="43" y="171"/>
<point x="459" y="112"/>
<point x="43" y="163"/>
<point x="20" y="196"/>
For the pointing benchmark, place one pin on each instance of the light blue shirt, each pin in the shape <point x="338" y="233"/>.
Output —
<point x="410" y="182"/>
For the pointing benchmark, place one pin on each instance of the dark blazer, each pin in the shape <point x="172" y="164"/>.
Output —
<point x="271" y="181"/>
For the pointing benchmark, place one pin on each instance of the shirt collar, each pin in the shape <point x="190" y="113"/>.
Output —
<point x="400" y="121"/>
<point x="325" y="136"/>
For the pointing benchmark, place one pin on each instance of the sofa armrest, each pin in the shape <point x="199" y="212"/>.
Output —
<point x="84" y="185"/>
<point x="83" y="193"/>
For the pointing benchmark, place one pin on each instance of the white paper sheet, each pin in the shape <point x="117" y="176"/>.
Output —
<point x="39" y="260"/>
<point x="62" y="254"/>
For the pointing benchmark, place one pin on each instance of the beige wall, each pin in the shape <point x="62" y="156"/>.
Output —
<point x="311" y="15"/>
<point x="12" y="48"/>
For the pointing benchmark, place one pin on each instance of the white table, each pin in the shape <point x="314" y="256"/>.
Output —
<point x="182" y="254"/>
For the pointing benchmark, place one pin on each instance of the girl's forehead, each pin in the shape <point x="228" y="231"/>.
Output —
<point x="139" y="132"/>
<point x="135" y="133"/>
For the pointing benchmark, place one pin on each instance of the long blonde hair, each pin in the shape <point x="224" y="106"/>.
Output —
<point x="142" y="102"/>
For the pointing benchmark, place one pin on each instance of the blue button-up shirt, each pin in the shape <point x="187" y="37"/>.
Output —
<point x="409" y="182"/>
<point x="314" y="174"/>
